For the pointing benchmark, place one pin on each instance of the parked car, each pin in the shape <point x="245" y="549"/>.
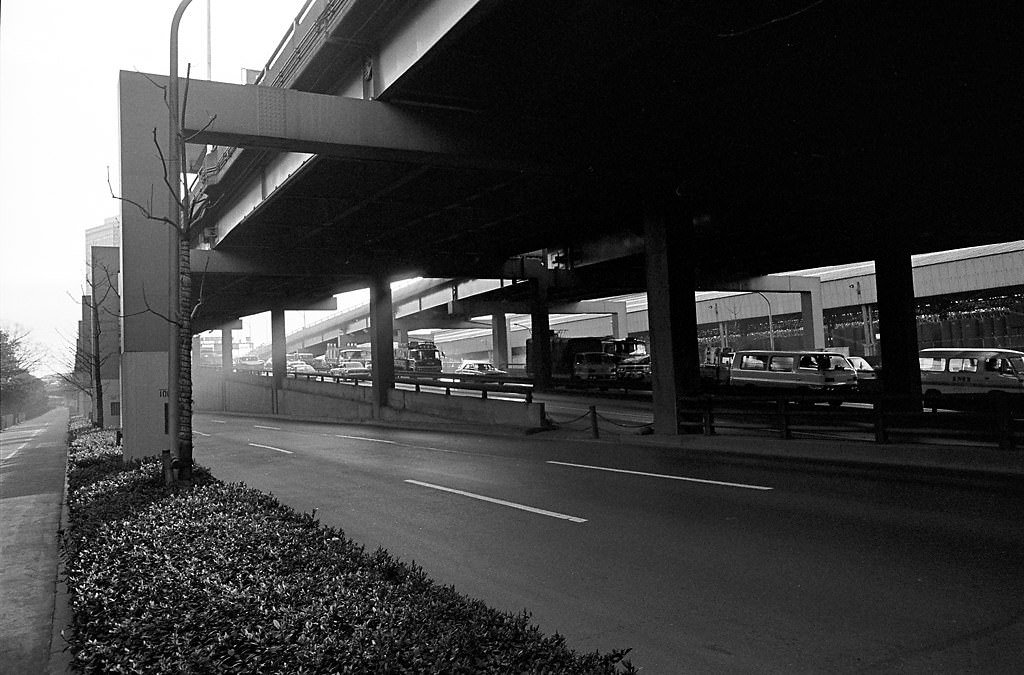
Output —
<point x="300" y="368"/>
<point x="970" y="372"/>
<point x="864" y="369"/>
<point x="811" y="371"/>
<point x="479" y="368"/>
<point x="248" y="363"/>
<point x="350" y="369"/>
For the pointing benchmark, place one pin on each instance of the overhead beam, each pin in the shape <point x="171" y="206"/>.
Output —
<point x="253" y="116"/>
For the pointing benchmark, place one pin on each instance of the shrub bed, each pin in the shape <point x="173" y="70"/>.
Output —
<point x="220" y="578"/>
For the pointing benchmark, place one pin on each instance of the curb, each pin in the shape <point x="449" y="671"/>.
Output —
<point x="59" y="661"/>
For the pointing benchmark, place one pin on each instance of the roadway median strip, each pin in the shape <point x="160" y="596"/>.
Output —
<point x="502" y="502"/>
<point x="270" y="447"/>
<point x="663" y="475"/>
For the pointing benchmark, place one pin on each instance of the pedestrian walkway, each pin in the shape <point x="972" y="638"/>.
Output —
<point x="33" y="457"/>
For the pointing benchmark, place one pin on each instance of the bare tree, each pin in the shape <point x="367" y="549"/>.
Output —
<point x="89" y="357"/>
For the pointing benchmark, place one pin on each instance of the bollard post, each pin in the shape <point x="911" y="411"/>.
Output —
<point x="529" y="396"/>
<point x="784" y="431"/>
<point x="483" y="394"/>
<point x="709" y="418"/>
<point x="165" y="463"/>
<point x="1005" y="423"/>
<point x="593" y="421"/>
<point x="881" y="433"/>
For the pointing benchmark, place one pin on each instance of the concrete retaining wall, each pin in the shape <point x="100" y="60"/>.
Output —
<point x="334" y="402"/>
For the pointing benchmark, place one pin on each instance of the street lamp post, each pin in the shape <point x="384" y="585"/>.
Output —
<point x="182" y="451"/>
<point x="771" y="333"/>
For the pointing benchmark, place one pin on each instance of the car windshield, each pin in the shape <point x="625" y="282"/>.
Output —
<point x="860" y="364"/>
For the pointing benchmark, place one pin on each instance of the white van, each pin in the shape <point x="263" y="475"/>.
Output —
<point x="970" y="371"/>
<point x="813" y="371"/>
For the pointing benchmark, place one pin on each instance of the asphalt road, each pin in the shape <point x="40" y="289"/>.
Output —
<point x="699" y="568"/>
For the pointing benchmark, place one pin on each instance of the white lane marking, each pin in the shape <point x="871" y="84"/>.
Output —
<point x="260" y="426"/>
<point x="24" y="444"/>
<point x="218" y="421"/>
<point x="364" y="438"/>
<point x="662" y="475"/>
<point x="502" y="502"/>
<point x="270" y="447"/>
<point x="11" y="456"/>
<point x="199" y="432"/>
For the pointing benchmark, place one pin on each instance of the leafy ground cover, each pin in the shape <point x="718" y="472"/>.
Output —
<point x="220" y="578"/>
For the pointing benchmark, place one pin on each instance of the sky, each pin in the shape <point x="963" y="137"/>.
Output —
<point x="59" y="65"/>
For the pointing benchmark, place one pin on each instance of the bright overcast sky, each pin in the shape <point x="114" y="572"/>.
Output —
<point x="58" y="129"/>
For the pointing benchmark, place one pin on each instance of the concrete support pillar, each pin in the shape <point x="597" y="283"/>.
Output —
<point x="812" y="313"/>
<point x="499" y="341"/>
<point x="278" y="349"/>
<point x="145" y="247"/>
<point x="620" y="329"/>
<point x="382" y="348"/>
<point x="540" y="343"/>
<point x="227" y="362"/>
<point x="672" y="315"/>
<point x="901" y="375"/>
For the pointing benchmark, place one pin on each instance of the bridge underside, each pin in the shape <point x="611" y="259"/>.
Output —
<point x="759" y="140"/>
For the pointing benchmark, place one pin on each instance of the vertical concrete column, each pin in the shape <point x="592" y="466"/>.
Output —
<point x="672" y="315"/>
<point x="897" y="318"/>
<point x="620" y="329"/>
<point x="278" y="350"/>
<point x="382" y="348"/>
<point x="227" y="362"/>
<point x="499" y="340"/>
<point x="541" y="337"/>
<point x="812" y="313"/>
<point x="145" y="247"/>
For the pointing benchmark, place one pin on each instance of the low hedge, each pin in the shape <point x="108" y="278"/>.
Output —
<point x="220" y="578"/>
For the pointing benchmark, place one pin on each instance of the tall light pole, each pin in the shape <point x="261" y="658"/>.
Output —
<point x="182" y="451"/>
<point x="771" y="333"/>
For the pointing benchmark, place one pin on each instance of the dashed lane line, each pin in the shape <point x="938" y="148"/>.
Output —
<point x="502" y="502"/>
<point x="662" y="475"/>
<point x="371" y="440"/>
<point x="218" y="421"/>
<point x="199" y="432"/>
<point x="260" y="426"/>
<point x="270" y="447"/>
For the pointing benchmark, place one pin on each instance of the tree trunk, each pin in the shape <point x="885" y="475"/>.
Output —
<point x="185" y="353"/>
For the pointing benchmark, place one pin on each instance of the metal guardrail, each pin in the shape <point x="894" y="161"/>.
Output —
<point x="448" y="381"/>
<point x="998" y="419"/>
<point x="887" y="419"/>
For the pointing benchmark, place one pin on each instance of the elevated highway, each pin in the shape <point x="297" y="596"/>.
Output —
<point x="659" y="147"/>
